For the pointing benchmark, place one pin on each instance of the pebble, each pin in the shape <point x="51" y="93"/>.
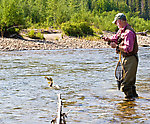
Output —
<point x="9" y="44"/>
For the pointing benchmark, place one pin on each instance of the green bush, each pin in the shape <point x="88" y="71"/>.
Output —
<point x="34" y="35"/>
<point x="85" y="29"/>
<point x="70" y="29"/>
<point x="139" y="24"/>
<point x="77" y="29"/>
<point x="31" y="34"/>
<point x="10" y="15"/>
<point x="40" y="35"/>
<point x="106" y="19"/>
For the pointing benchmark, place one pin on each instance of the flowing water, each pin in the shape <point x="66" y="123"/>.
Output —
<point x="85" y="79"/>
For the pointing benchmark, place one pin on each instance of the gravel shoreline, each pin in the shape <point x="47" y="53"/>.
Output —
<point x="9" y="44"/>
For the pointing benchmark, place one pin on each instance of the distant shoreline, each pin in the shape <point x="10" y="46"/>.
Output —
<point x="9" y="44"/>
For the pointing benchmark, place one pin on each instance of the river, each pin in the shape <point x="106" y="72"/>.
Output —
<point x="86" y="81"/>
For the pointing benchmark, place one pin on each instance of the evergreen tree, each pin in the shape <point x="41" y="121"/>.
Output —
<point x="89" y="4"/>
<point x="127" y="2"/>
<point x="138" y="6"/>
<point x="146" y="10"/>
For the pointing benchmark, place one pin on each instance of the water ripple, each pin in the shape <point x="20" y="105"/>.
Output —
<point x="86" y="82"/>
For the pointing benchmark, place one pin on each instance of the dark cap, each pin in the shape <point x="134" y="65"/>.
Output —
<point x="120" y="16"/>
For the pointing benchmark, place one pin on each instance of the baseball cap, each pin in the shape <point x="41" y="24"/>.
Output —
<point x="119" y="16"/>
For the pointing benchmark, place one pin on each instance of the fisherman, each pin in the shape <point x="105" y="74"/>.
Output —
<point x="125" y="40"/>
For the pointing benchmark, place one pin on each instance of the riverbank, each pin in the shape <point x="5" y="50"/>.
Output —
<point x="51" y="43"/>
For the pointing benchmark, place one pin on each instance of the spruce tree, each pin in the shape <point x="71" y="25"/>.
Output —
<point x="138" y="6"/>
<point x="146" y="10"/>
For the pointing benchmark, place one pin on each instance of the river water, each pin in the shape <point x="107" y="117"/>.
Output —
<point x="85" y="79"/>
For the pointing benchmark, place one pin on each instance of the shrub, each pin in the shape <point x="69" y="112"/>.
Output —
<point x="139" y="24"/>
<point x="40" y="36"/>
<point x="10" y="15"/>
<point x="106" y="19"/>
<point x="70" y="29"/>
<point x="34" y="35"/>
<point x="31" y="34"/>
<point x="85" y="29"/>
<point x="77" y="29"/>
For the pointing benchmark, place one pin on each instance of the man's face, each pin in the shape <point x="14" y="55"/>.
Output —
<point x="119" y="23"/>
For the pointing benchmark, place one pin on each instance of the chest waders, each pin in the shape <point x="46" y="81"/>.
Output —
<point x="130" y="63"/>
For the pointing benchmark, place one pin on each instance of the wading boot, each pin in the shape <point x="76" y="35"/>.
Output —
<point x="135" y="95"/>
<point x="129" y="99"/>
<point x="129" y="95"/>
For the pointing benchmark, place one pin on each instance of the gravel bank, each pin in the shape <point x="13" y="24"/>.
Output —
<point x="8" y="44"/>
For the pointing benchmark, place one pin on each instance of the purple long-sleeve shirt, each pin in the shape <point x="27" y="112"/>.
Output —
<point x="129" y="39"/>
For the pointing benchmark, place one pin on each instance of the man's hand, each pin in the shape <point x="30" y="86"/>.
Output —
<point x="113" y="44"/>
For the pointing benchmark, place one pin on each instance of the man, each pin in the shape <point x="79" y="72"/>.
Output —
<point x="125" y="40"/>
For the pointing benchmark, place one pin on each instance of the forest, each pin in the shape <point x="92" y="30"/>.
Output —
<point x="72" y="16"/>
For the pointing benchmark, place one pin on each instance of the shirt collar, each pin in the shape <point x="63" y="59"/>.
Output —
<point x="124" y="28"/>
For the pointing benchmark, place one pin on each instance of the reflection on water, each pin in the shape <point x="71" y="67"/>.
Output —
<point x="86" y="81"/>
